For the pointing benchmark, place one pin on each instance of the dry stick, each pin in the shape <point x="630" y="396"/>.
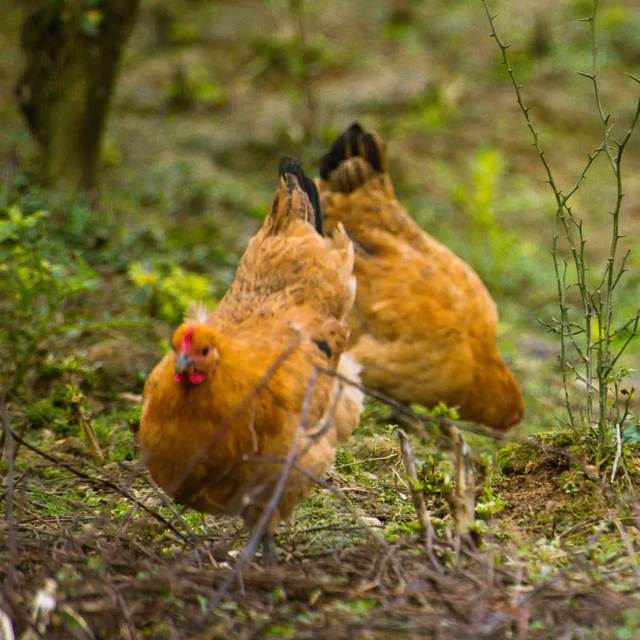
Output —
<point x="6" y="626"/>
<point x="124" y="609"/>
<point x="430" y="552"/>
<point x="629" y="546"/>
<point x="105" y="483"/>
<point x="11" y="470"/>
<point x="327" y="527"/>
<point x="618" y="452"/>
<point x="462" y="499"/>
<point x="414" y="485"/>
<point x="254" y="540"/>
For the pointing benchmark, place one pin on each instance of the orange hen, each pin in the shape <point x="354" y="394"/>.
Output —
<point x="222" y="411"/>
<point x="424" y="325"/>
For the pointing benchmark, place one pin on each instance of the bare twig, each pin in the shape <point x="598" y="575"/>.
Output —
<point x="265" y="518"/>
<point x="594" y="346"/>
<point x="414" y="486"/>
<point x="463" y="498"/>
<point x="9" y="513"/>
<point x="618" y="453"/>
<point x="102" y="482"/>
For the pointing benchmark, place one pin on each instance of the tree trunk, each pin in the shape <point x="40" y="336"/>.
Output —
<point x="72" y="56"/>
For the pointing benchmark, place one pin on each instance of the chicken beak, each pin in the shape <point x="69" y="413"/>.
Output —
<point x="512" y="421"/>
<point x="184" y="364"/>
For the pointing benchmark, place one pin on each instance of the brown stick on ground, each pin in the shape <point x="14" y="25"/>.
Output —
<point x="462" y="499"/>
<point x="414" y="486"/>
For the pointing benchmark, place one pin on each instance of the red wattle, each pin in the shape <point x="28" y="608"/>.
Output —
<point x="196" y="377"/>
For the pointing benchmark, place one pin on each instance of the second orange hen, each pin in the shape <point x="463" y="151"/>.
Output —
<point x="424" y="325"/>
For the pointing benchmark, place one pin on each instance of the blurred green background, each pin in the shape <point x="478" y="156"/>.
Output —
<point x="212" y="93"/>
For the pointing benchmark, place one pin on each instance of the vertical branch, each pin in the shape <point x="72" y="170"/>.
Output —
<point x="561" y="279"/>
<point x="569" y="224"/>
<point x="414" y="486"/>
<point x="7" y="438"/>
<point x="597" y="306"/>
<point x="462" y="499"/>
<point x="605" y="302"/>
<point x="263" y="522"/>
<point x="587" y="309"/>
<point x="611" y="274"/>
<point x="296" y="8"/>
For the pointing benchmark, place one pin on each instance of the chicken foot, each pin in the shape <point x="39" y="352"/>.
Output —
<point x="269" y="552"/>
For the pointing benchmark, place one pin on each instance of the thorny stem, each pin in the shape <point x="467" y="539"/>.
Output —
<point x="564" y="321"/>
<point x="609" y="278"/>
<point x="605" y="305"/>
<point x="563" y="213"/>
<point x="598" y="304"/>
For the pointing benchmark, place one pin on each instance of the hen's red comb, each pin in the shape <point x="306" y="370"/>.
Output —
<point x="186" y="341"/>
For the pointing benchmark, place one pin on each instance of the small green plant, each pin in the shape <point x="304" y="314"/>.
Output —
<point x="435" y="477"/>
<point x="78" y="407"/>
<point x="166" y="290"/>
<point x="37" y="284"/>
<point x="43" y="288"/>
<point x="570" y="487"/>
<point x="489" y="505"/>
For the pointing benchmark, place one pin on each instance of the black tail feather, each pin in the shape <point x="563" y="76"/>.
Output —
<point x="292" y="167"/>
<point x="354" y="141"/>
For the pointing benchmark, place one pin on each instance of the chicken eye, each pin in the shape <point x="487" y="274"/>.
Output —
<point x="205" y="351"/>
